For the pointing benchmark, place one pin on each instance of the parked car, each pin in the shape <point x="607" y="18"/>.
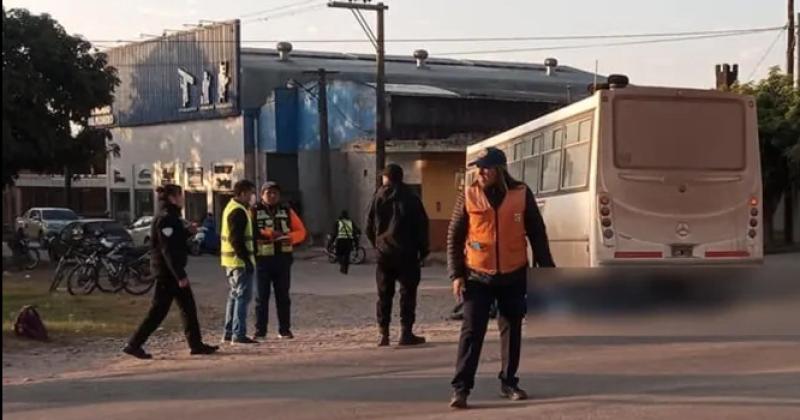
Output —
<point x="140" y="230"/>
<point x="38" y="222"/>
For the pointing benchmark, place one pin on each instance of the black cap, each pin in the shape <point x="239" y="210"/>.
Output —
<point x="270" y="185"/>
<point x="394" y="172"/>
<point x="491" y="157"/>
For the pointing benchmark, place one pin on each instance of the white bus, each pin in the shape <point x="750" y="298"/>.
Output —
<point x="641" y="176"/>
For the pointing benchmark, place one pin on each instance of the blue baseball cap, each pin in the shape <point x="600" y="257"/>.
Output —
<point x="491" y="157"/>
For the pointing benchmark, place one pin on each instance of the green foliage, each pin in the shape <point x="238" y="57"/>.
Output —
<point x="51" y="83"/>
<point x="778" y="103"/>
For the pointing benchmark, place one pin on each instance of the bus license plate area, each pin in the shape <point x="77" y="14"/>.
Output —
<point x="682" y="251"/>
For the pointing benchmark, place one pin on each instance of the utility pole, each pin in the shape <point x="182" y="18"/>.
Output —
<point x="797" y="45"/>
<point x="324" y="142"/>
<point x="788" y="195"/>
<point x="790" y="40"/>
<point x="380" y="78"/>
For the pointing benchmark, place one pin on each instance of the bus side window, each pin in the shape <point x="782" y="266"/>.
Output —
<point x="572" y="133"/>
<point x="518" y="151"/>
<point x="537" y="143"/>
<point x="585" y="130"/>
<point x="558" y="138"/>
<point x="576" y="166"/>
<point x="531" y="172"/>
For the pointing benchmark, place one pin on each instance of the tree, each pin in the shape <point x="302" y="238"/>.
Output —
<point x="778" y="103"/>
<point x="51" y="83"/>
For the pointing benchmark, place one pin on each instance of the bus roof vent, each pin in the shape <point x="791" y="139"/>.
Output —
<point x="551" y="64"/>
<point x="617" y="81"/>
<point x="284" y="48"/>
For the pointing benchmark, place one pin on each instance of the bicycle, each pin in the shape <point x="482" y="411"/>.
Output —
<point x="121" y="266"/>
<point x="357" y="255"/>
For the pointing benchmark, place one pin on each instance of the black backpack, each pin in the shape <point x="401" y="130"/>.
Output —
<point x="29" y="324"/>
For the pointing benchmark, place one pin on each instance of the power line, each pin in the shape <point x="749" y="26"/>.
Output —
<point x="485" y="39"/>
<point x="275" y="9"/>
<point x="764" y="57"/>
<point x="608" y="44"/>
<point x="286" y="13"/>
<point x="552" y="48"/>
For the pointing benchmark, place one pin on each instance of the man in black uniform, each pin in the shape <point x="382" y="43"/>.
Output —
<point x="277" y="230"/>
<point x="168" y="261"/>
<point x="397" y="226"/>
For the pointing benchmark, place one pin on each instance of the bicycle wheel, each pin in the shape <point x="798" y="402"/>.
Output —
<point x="136" y="282"/>
<point x="62" y="269"/>
<point x="82" y="280"/>
<point x="108" y="283"/>
<point x="358" y="255"/>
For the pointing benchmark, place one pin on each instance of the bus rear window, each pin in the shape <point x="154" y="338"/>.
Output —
<point x="690" y="134"/>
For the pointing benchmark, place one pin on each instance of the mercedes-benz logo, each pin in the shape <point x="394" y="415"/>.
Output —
<point x="682" y="229"/>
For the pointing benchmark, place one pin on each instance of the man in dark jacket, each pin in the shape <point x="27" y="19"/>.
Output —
<point x="397" y="226"/>
<point x="487" y="261"/>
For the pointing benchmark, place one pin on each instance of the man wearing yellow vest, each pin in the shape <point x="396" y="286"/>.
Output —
<point x="487" y="259"/>
<point x="344" y="237"/>
<point x="278" y="230"/>
<point x="238" y="260"/>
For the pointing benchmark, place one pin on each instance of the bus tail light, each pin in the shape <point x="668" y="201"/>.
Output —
<point x="754" y="212"/>
<point x="638" y="254"/>
<point x="726" y="254"/>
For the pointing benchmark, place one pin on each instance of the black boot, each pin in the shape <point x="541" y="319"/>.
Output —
<point x="407" y="338"/>
<point x="383" y="341"/>
<point x="136" y="352"/>
<point x="459" y="400"/>
<point x="204" y="349"/>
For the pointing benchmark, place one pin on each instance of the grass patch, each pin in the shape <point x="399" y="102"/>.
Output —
<point x="67" y="317"/>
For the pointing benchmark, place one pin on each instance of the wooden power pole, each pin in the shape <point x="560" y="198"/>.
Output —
<point x="791" y="40"/>
<point x="380" y="78"/>
<point x="324" y="143"/>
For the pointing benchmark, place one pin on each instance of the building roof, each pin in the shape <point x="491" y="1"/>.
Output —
<point x="438" y="77"/>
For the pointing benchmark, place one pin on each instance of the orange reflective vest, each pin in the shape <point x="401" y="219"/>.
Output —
<point x="496" y="241"/>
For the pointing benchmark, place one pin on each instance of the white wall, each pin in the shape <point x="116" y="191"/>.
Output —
<point x="203" y="143"/>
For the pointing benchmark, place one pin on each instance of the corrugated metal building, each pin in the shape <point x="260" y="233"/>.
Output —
<point x="194" y="108"/>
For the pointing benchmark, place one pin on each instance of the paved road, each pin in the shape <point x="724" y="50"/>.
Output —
<point x="727" y="359"/>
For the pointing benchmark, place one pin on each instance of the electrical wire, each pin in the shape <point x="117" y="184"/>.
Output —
<point x="764" y="57"/>
<point x="606" y="44"/>
<point x="484" y="39"/>
<point x="275" y="9"/>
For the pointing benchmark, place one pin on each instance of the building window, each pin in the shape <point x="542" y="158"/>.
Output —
<point x="196" y="206"/>
<point x="144" y="203"/>
<point x="121" y="206"/>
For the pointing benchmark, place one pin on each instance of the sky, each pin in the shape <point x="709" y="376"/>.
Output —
<point x="684" y="64"/>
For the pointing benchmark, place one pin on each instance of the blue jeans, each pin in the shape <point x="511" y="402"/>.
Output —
<point x="241" y="283"/>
